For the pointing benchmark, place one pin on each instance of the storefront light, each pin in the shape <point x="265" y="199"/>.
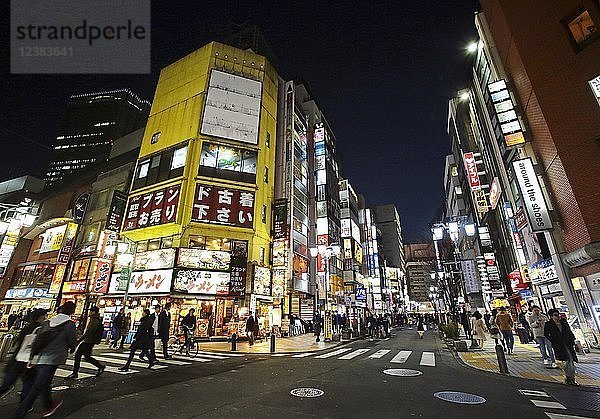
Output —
<point x="154" y="302"/>
<point x="102" y="303"/>
<point x="3" y="227"/>
<point x="118" y="302"/>
<point x="122" y="247"/>
<point x="470" y="229"/>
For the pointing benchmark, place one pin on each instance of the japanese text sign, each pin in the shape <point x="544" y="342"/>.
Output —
<point x="152" y="208"/>
<point x="220" y="205"/>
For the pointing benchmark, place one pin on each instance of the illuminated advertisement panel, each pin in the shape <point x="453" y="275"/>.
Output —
<point x="52" y="239"/>
<point x="201" y="282"/>
<point x="203" y="259"/>
<point x="221" y="205"/>
<point x="232" y="108"/>
<point x="472" y="174"/>
<point x="535" y="204"/>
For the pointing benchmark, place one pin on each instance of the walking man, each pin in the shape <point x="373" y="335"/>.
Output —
<point x="250" y="329"/>
<point x="59" y="337"/>
<point x="537" y="320"/>
<point x="117" y="327"/>
<point x="164" y="328"/>
<point x="505" y="323"/>
<point x="91" y="336"/>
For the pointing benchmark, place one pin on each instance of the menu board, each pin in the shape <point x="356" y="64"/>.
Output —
<point x="201" y="282"/>
<point x="203" y="259"/>
<point x="154" y="259"/>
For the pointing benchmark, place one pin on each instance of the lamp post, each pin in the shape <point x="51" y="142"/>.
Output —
<point x="326" y="252"/>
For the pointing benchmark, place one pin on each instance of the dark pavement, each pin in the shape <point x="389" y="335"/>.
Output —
<point x="351" y="377"/>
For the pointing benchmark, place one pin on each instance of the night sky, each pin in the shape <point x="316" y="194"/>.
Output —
<point x="381" y="71"/>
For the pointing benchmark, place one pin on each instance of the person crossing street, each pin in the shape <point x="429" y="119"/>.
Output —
<point x="91" y="336"/>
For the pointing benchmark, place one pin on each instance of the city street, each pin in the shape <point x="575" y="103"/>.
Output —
<point x="351" y="377"/>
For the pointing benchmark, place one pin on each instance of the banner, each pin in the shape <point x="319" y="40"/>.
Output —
<point x="472" y="174"/>
<point x="531" y="194"/>
<point x="116" y="211"/>
<point x="101" y="277"/>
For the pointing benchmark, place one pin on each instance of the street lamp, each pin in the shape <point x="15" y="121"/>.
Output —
<point x="326" y="252"/>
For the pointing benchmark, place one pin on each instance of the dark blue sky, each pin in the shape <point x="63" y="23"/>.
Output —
<point x="382" y="71"/>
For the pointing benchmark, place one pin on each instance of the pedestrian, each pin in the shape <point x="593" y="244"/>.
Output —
<point x="525" y="327"/>
<point x="250" y="329"/>
<point x="505" y="323"/>
<point x="464" y="321"/>
<point x="486" y="319"/>
<point x="479" y="328"/>
<point x="317" y="324"/>
<point x="117" y="327"/>
<point x="537" y="320"/>
<point x="125" y="330"/>
<point x="386" y="325"/>
<point x="164" y="328"/>
<point x="91" y="336"/>
<point x="17" y="364"/>
<point x="188" y="325"/>
<point x="154" y="322"/>
<point x="12" y="318"/>
<point x="420" y="326"/>
<point x="142" y="340"/>
<point x="558" y="332"/>
<point x="50" y="349"/>
<point x="494" y="331"/>
<point x="334" y="322"/>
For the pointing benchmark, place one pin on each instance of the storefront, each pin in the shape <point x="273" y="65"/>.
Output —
<point x="22" y="300"/>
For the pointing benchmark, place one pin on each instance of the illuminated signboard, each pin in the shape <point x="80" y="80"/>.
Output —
<point x="154" y="259"/>
<point x="494" y="193"/>
<point x="26" y="293"/>
<point x="472" y="174"/>
<point x="531" y="192"/>
<point x="201" y="282"/>
<point x="232" y="107"/>
<point x="101" y="277"/>
<point x="152" y="208"/>
<point x="57" y="278"/>
<point x="52" y="239"/>
<point x="150" y="282"/>
<point x="595" y="86"/>
<point x="74" y="287"/>
<point x="262" y="281"/>
<point x="203" y="259"/>
<point x="480" y="201"/>
<point x="116" y="211"/>
<point x="506" y="114"/>
<point x="346" y="229"/>
<point x="279" y="281"/>
<point x="221" y="205"/>
<point x="68" y="242"/>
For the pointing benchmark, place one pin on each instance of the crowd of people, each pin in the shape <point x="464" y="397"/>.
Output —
<point x="550" y="332"/>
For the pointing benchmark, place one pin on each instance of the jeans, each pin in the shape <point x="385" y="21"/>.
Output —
<point x="41" y="384"/>
<point x="545" y="348"/>
<point x="569" y="365"/>
<point x="84" y="350"/>
<point x="509" y="338"/>
<point x="11" y="377"/>
<point x="116" y="335"/>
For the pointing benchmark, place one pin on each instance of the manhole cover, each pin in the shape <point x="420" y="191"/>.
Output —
<point x="307" y="392"/>
<point x="401" y="372"/>
<point x="60" y="388"/>
<point x="459" y="397"/>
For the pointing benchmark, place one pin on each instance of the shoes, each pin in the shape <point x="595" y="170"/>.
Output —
<point x="100" y="371"/>
<point x="150" y="365"/>
<point x="72" y="376"/>
<point x="546" y="362"/>
<point x="571" y="382"/>
<point x="124" y="369"/>
<point x="143" y="358"/>
<point x="52" y="409"/>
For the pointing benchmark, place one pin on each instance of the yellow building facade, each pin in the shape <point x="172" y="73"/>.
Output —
<point x="204" y="185"/>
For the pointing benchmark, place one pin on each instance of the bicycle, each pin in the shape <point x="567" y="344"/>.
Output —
<point x="177" y="345"/>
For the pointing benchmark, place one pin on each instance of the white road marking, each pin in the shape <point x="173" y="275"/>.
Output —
<point x="379" y="353"/>
<point x="334" y="353"/>
<point x="162" y="361"/>
<point x="279" y="354"/>
<point x="107" y="368"/>
<point x="63" y="373"/>
<point x="218" y="355"/>
<point x="561" y="416"/>
<point x="133" y="363"/>
<point x="401" y="357"/>
<point x="547" y="404"/>
<point x="302" y="355"/>
<point x="428" y="359"/>
<point x="354" y="354"/>
<point x="533" y="393"/>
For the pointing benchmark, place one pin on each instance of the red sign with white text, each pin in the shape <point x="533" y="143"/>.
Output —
<point x="152" y="208"/>
<point x="471" y="168"/>
<point x="101" y="277"/>
<point x="219" y="205"/>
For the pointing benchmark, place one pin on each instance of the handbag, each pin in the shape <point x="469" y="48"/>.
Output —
<point x="24" y="353"/>
<point x="494" y="331"/>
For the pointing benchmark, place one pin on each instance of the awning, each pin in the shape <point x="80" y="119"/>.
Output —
<point x="45" y="225"/>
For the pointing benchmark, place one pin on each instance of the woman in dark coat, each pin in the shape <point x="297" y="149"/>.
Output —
<point x="558" y="332"/>
<point x="142" y="340"/>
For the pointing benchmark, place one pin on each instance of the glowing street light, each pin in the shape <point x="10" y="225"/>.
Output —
<point x="472" y="47"/>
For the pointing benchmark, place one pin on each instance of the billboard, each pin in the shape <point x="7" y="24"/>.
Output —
<point x="531" y="193"/>
<point x="154" y="259"/>
<point x="191" y="281"/>
<point x="223" y="205"/>
<point x="192" y="257"/>
<point x="506" y="114"/>
<point x="232" y="107"/>
<point x="150" y="282"/>
<point x="262" y="280"/>
<point x="152" y="208"/>
<point x="116" y="211"/>
<point x="52" y="239"/>
<point x="472" y="174"/>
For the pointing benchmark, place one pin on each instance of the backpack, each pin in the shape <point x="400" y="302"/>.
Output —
<point x="24" y="352"/>
<point x="44" y="336"/>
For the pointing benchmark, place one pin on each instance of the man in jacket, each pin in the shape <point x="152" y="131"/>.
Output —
<point x="117" y="327"/>
<point x="558" y="332"/>
<point x="15" y="369"/>
<point x="250" y="329"/>
<point x="91" y="336"/>
<point x="48" y="360"/>
<point x="537" y="320"/>
<point x="164" y="328"/>
<point x="505" y="323"/>
<point x="142" y="340"/>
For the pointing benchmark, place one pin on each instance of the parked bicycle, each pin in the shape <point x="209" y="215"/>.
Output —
<point x="183" y="343"/>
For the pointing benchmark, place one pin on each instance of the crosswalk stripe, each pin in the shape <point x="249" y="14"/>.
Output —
<point x="61" y="372"/>
<point x="107" y="368"/>
<point x="379" y="353"/>
<point x="537" y="393"/>
<point x="303" y="355"/>
<point x="561" y="416"/>
<point x="401" y="357"/>
<point x="219" y="355"/>
<point x="354" y="354"/>
<point x="279" y="354"/>
<point x="133" y="363"/>
<point x="162" y="361"/>
<point x="190" y="359"/>
<point x="547" y="404"/>
<point x="334" y="353"/>
<point x="428" y="359"/>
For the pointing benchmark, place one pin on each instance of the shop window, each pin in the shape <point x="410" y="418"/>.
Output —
<point x="197" y="241"/>
<point x="268" y="140"/>
<point x="582" y="29"/>
<point x="167" y="165"/>
<point x="266" y="179"/>
<point x="263" y="214"/>
<point x="166" y="242"/>
<point x="230" y="163"/>
<point x="210" y="243"/>
<point x="141" y="246"/>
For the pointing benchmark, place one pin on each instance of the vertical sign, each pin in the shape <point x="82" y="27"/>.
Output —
<point x="471" y="168"/>
<point x="531" y="193"/>
<point x="116" y="211"/>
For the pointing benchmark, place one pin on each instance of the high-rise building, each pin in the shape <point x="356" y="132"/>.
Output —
<point x="92" y="122"/>
<point x="420" y="264"/>
<point x="200" y="206"/>
<point x="388" y="221"/>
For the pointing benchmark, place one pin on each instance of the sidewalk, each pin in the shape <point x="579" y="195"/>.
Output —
<point x="526" y="362"/>
<point x="292" y="344"/>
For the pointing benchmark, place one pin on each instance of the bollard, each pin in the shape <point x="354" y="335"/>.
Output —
<point x="234" y="342"/>
<point x="502" y="365"/>
<point x="272" y="342"/>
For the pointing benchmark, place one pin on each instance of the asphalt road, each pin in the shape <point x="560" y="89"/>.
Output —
<point x="352" y="381"/>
